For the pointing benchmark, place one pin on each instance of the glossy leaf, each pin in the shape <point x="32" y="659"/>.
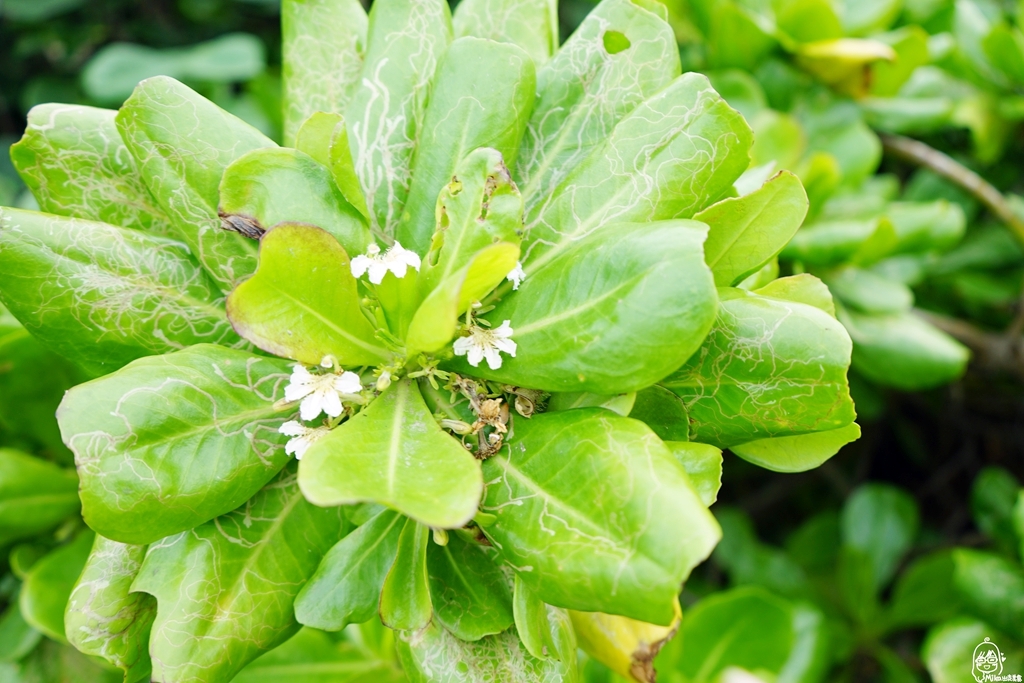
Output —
<point x="73" y="160"/>
<point x="406" y="41"/>
<point x="530" y="24"/>
<point x="52" y="661"/>
<point x="949" y="650"/>
<point x="747" y="232"/>
<point x="393" y="452"/>
<point x="994" y="495"/>
<point x="101" y="295"/>
<point x="322" y="44"/>
<point x="626" y="646"/>
<point x="797" y="453"/>
<point x="543" y="629"/>
<point x="617" y="537"/>
<point x="170" y="442"/>
<point x="405" y="598"/>
<point x="881" y="522"/>
<point x="303" y="303"/>
<point x="346" y="586"/>
<point x="17" y="637"/>
<point x="616" y="312"/>
<point x="103" y="618"/>
<point x="471" y="595"/>
<point x="49" y="583"/>
<point x="663" y="412"/>
<point x="925" y="593"/>
<point x="703" y="465"/>
<point x="280" y="185"/>
<point x="573" y="114"/>
<point x="35" y="495"/>
<point x="768" y="368"/>
<point x="225" y="589"/>
<point x="182" y="143"/>
<point x="992" y="588"/>
<point x="481" y="97"/>
<point x="672" y="156"/>
<point x="870" y="292"/>
<point x="803" y="288"/>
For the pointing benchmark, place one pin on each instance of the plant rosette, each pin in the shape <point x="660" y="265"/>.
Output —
<point x="439" y="360"/>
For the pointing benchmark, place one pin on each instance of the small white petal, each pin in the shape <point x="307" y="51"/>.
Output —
<point x="331" y="402"/>
<point x="506" y="345"/>
<point x="359" y="265"/>
<point x="311" y="407"/>
<point x="476" y="354"/>
<point x="292" y="428"/>
<point x="348" y="383"/>
<point x="462" y="345"/>
<point x="517" y="275"/>
<point x="503" y="330"/>
<point x="493" y="358"/>
<point x="377" y="272"/>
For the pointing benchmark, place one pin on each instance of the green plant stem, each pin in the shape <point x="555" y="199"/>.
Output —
<point x="916" y="152"/>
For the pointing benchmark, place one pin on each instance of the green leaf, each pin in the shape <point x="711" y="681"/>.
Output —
<point x="797" y="453"/>
<point x="303" y="303"/>
<point x="405" y="598"/>
<point x="406" y="40"/>
<point x="881" y="522"/>
<point x="73" y="160"/>
<point x="346" y="586"/>
<point x="748" y="561"/>
<point x="225" y="589"/>
<point x="530" y="24"/>
<point x="325" y="138"/>
<point x="993" y="497"/>
<point x="543" y="629"/>
<point x="831" y="243"/>
<point x="52" y="661"/>
<point x="35" y="495"/>
<point x="472" y="596"/>
<point x="737" y="37"/>
<point x="670" y="157"/>
<point x="903" y="351"/>
<point x="869" y="292"/>
<point x="803" y="288"/>
<point x="992" y="588"/>
<point x="748" y="232"/>
<point x="394" y="452"/>
<point x="182" y="143"/>
<point x="172" y="441"/>
<point x="278" y="185"/>
<point x="703" y="465"/>
<point x="925" y="226"/>
<point x="950" y="648"/>
<point x="17" y="637"/>
<point x="573" y="115"/>
<point x="48" y="585"/>
<point x="663" y="412"/>
<point x="768" y="368"/>
<point x="102" y="296"/>
<point x="103" y="619"/>
<point x="924" y="593"/>
<point x="808" y="20"/>
<point x="482" y="97"/>
<point x="618" y="536"/>
<point x="619" y="403"/>
<point x="616" y="312"/>
<point x="437" y="656"/>
<point x="322" y="57"/>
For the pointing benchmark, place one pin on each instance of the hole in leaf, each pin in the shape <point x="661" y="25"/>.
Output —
<point x="615" y="42"/>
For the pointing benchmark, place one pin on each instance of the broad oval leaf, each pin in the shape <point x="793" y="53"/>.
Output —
<point x="303" y="302"/>
<point x="471" y="595"/>
<point x="170" y="442"/>
<point x="225" y="589"/>
<point x="618" y="536"/>
<point x="797" y="453"/>
<point x="35" y="495"/>
<point x="405" y="601"/>
<point x="394" y="453"/>
<point x="278" y="185"/>
<point x="992" y="588"/>
<point x="624" y="645"/>
<point x="322" y="45"/>
<point x="869" y="292"/>
<point x="102" y="296"/>
<point x="880" y="522"/>
<point x="482" y="96"/>
<point x="530" y="24"/>
<point x="49" y="583"/>
<point x="948" y="650"/>
<point x="614" y="313"/>
<point x="103" y="619"/>
<point x="703" y="465"/>
<point x="182" y="143"/>
<point x="768" y="368"/>
<point x="73" y="160"/>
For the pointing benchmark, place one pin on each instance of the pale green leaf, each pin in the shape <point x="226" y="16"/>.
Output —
<point x="312" y="657"/>
<point x="405" y="600"/>
<point x="797" y="453"/>
<point x="869" y="292"/>
<point x="949" y="650"/>
<point x="46" y="589"/>
<point x="471" y="595"/>
<point x="991" y="586"/>
<point x="803" y="288"/>
<point x="703" y="465"/>
<point x="530" y="24"/>
<point x="17" y="637"/>
<point x="35" y="495"/>
<point x="537" y="623"/>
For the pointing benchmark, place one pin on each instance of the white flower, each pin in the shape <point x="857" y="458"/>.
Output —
<point x="397" y="259"/>
<point x="483" y="343"/>
<point x="320" y="393"/>
<point x="517" y="275"/>
<point x="302" y="437"/>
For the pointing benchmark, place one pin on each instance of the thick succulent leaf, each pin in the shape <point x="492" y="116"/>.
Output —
<point x="797" y="453"/>
<point x="406" y="41"/>
<point x="172" y="441"/>
<point x="703" y="465"/>
<point x="663" y="412"/>
<point x="346" y="586"/>
<point x="74" y="161"/>
<point x="405" y="601"/>
<point x="182" y="143"/>
<point x="545" y="631"/>
<point x="749" y="231"/>
<point x="225" y="589"/>
<point x="434" y="655"/>
<point x="35" y="495"/>
<point x="672" y="156"/>
<point x="471" y="595"/>
<point x="624" y="645"/>
<point x="803" y="288"/>
<point x="481" y="97"/>
<point x="325" y="138"/>
<point x="102" y="296"/>
<point x="49" y="583"/>
<point x="322" y="44"/>
<point x="530" y="24"/>
<point x="278" y="185"/>
<point x="394" y="453"/>
<point x="303" y="302"/>
<point x="616" y="312"/>
<point x="869" y="292"/>
<point x="618" y="536"/>
<point x="584" y="91"/>
<point x="103" y="618"/>
<point x="768" y="368"/>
